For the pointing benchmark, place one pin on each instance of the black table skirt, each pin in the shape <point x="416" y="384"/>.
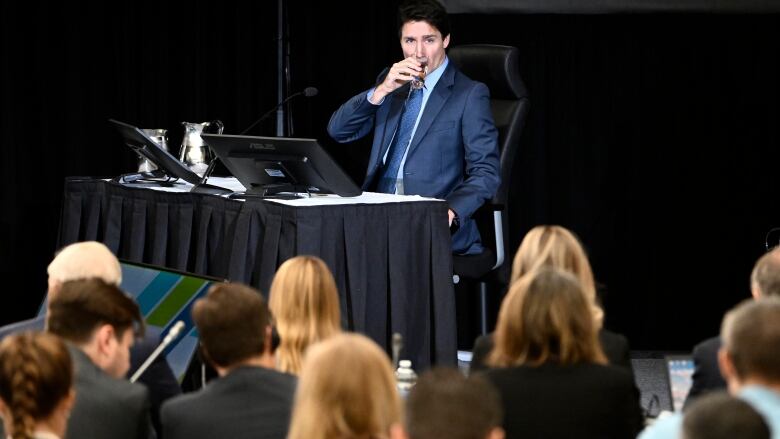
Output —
<point x="392" y="262"/>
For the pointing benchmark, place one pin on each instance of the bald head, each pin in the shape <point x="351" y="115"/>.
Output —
<point x="765" y="278"/>
<point x="84" y="260"/>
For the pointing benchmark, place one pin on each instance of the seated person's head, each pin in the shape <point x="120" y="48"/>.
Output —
<point x="722" y="416"/>
<point x="36" y="380"/>
<point x="83" y="260"/>
<point x="99" y="319"/>
<point x="305" y="305"/>
<point x="346" y="390"/>
<point x="751" y="344"/>
<point x="765" y="278"/>
<point x="234" y="326"/>
<point x="445" y="404"/>
<point x="558" y="248"/>
<point x="545" y="318"/>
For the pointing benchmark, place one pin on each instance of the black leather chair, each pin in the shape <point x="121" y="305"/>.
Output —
<point x="499" y="68"/>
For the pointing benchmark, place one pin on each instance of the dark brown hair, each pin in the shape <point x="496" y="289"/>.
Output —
<point x="722" y="416"/>
<point x="231" y="320"/>
<point x="445" y="404"/>
<point x="429" y="11"/>
<point x="83" y="305"/>
<point x="36" y="374"/>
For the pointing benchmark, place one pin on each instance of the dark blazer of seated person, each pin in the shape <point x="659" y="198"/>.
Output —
<point x="158" y="378"/>
<point x="615" y="348"/>
<point x="549" y="369"/>
<point x="706" y="375"/>
<point x="249" y="399"/>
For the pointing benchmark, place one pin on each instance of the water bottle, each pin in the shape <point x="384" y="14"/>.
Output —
<point x="405" y="377"/>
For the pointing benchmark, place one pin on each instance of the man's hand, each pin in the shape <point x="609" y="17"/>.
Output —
<point x="400" y="73"/>
<point x="451" y="214"/>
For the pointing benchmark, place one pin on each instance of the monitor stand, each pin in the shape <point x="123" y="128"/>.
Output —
<point x="284" y="191"/>
<point x="156" y="176"/>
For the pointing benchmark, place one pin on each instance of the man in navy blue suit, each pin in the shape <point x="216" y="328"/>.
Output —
<point x="436" y="141"/>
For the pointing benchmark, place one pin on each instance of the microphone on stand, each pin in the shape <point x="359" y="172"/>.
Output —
<point x="308" y="92"/>
<point x="169" y="338"/>
<point x="397" y="345"/>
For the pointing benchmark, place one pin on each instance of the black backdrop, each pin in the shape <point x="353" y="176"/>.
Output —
<point x="653" y="136"/>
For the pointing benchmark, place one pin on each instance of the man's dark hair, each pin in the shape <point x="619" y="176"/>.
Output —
<point x="444" y="403"/>
<point x="81" y="306"/>
<point x="231" y="321"/>
<point x="721" y="416"/>
<point x="430" y="11"/>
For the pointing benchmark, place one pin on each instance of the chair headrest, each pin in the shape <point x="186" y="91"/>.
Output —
<point x="496" y="66"/>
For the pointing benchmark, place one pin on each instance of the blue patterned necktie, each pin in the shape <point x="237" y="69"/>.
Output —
<point x="400" y="142"/>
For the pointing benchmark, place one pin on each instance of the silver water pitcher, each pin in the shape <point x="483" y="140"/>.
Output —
<point x="160" y="137"/>
<point x="194" y="152"/>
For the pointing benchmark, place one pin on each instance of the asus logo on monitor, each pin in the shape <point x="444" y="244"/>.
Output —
<point x="261" y="146"/>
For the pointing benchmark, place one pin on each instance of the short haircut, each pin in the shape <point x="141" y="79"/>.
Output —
<point x="751" y="337"/>
<point x="446" y="404"/>
<point x="545" y="318"/>
<point x="766" y="274"/>
<point x="85" y="304"/>
<point x="722" y="416"/>
<point x="36" y="374"/>
<point x="232" y="321"/>
<point x="84" y="260"/>
<point x="429" y="11"/>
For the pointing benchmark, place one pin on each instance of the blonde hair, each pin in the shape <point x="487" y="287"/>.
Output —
<point x="305" y="305"/>
<point x="557" y="247"/>
<point x="84" y="260"/>
<point x="36" y="374"/>
<point x="346" y="390"/>
<point x="544" y="319"/>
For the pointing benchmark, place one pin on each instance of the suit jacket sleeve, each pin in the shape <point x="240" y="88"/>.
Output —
<point x="480" y="141"/>
<point x="353" y="120"/>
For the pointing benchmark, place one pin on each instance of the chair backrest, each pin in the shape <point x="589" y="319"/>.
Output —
<point x="498" y="67"/>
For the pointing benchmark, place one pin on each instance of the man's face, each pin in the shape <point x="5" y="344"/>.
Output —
<point x="420" y="39"/>
<point x="119" y="355"/>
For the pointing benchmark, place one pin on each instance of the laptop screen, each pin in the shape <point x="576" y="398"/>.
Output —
<point x="166" y="296"/>
<point x="679" y="370"/>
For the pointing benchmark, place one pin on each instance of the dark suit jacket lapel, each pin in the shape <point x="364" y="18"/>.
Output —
<point x="436" y="101"/>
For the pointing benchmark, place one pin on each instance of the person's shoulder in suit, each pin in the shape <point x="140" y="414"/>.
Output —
<point x="34" y="324"/>
<point x="258" y="401"/>
<point x="106" y="406"/>
<point x="706" y="374"/>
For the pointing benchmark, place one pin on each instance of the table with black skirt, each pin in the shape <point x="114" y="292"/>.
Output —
<point x="390" y="255"/>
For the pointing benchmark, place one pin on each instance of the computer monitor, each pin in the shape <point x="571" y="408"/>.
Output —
<point x="166" y="296"/>
<point x="679" y="373"/>
<point x="271" y="165"/>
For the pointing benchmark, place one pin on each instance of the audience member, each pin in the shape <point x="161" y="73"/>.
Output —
<point x="721" y="416"/>
<point x="749" y="362"/>
<point x="550" y="369"/>
<point x="445" y="404"/>
<point x="36" y="386"/>
<point x="249" y="399"/>
<point x="305" y="305"/>
<point x="100" y="322"/>
<point x="557" y="247"/>
<point x="346" y="390"/>
<point x="90" y="259"/>
<point x="764" y="282"/>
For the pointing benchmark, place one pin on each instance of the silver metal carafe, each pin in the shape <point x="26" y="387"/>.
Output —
<point x="160" y="137"/>
<point x="194" y="152"/>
